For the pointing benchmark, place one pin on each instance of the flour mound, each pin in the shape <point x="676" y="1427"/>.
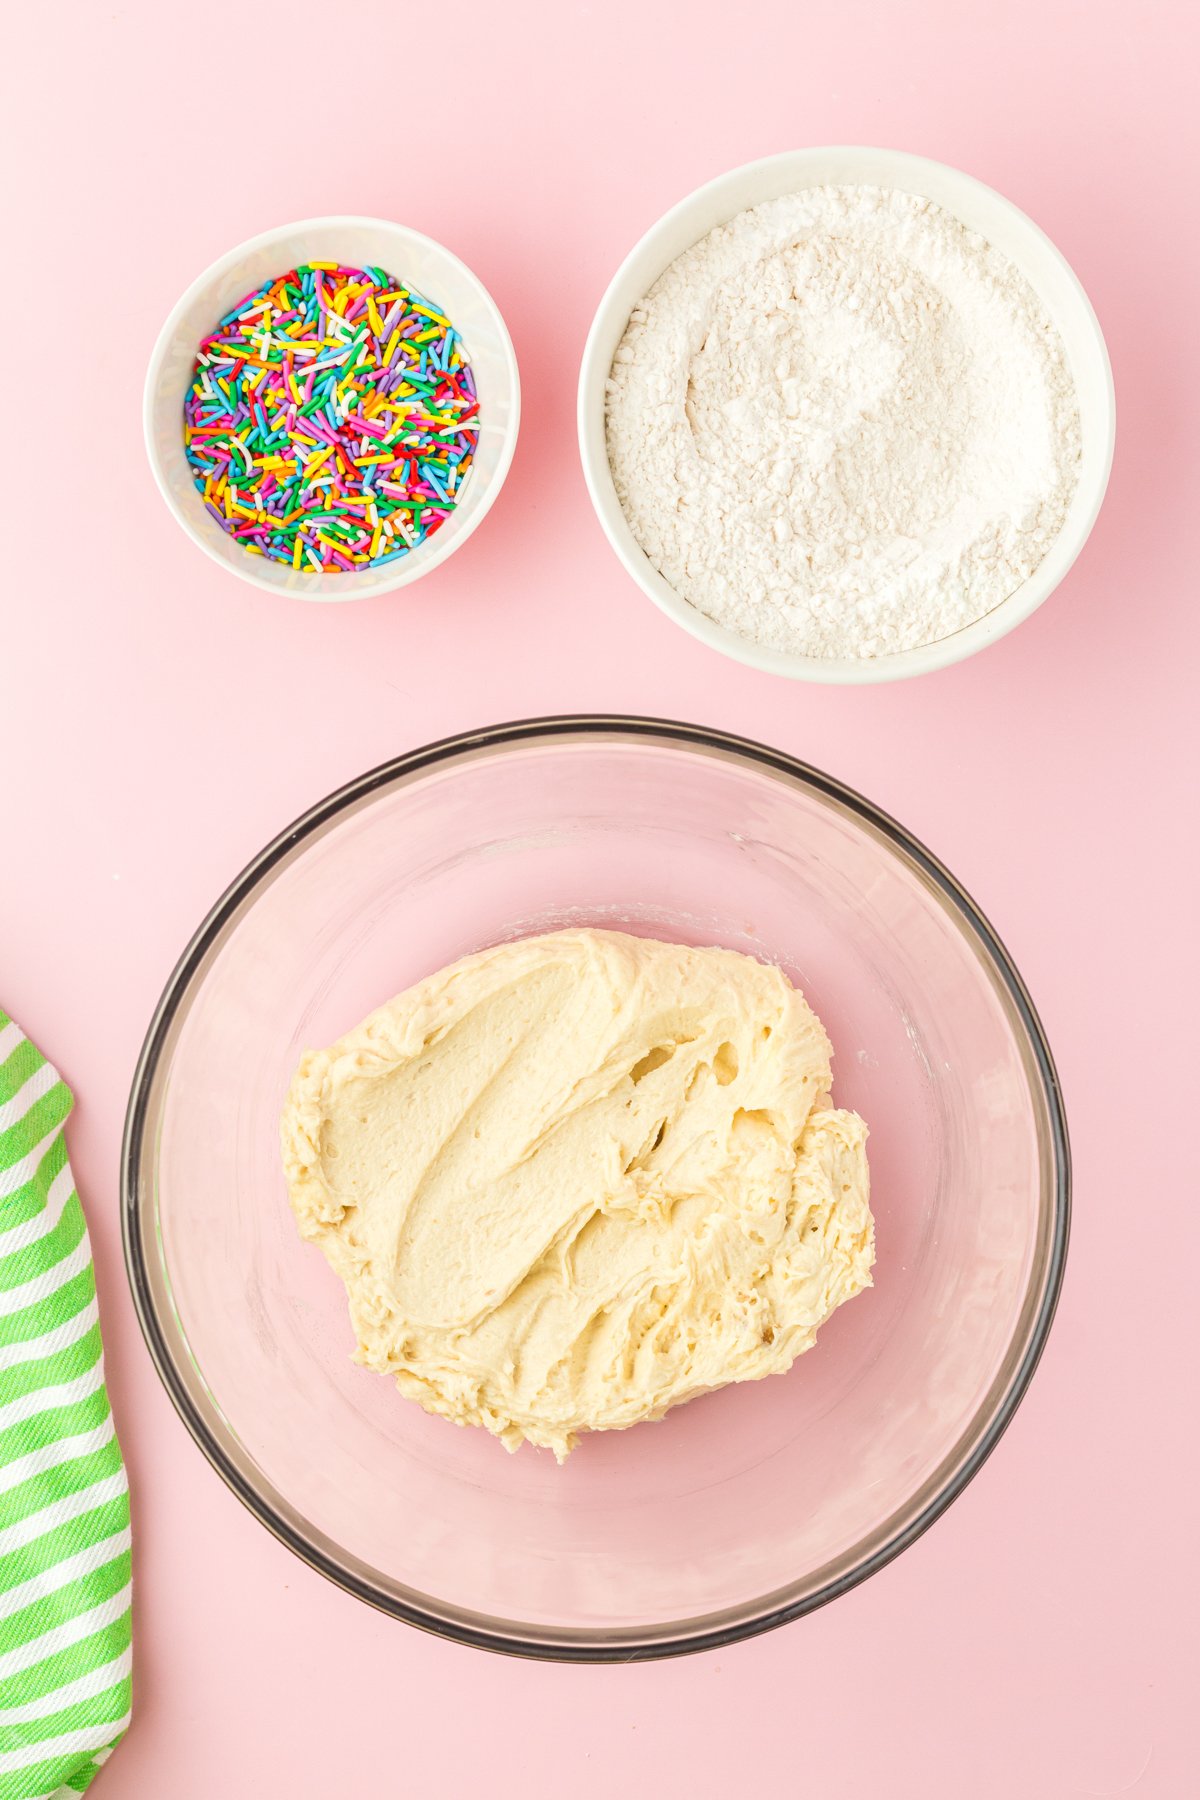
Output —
<point x="843" y="424"/>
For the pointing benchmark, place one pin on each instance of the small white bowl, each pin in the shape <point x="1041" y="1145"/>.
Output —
<point x="412" y="258"/>
<point x="978" y="207"/>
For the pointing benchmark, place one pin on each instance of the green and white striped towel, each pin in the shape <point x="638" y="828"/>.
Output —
<point x="64" y="1499"/>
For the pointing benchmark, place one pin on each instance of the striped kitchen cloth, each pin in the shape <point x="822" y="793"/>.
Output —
<point x="64" y="1499"/>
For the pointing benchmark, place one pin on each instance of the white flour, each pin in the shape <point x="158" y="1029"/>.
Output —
<point x="843" y="424"/>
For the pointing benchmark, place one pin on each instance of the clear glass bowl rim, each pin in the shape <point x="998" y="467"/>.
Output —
<point x="580" y="1645"/>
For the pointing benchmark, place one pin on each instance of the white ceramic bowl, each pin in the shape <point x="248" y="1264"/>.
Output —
<point x="978" y="207"/>
<point x="432" y="271"/>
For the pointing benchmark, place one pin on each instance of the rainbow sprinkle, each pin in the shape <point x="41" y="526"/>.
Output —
<point x="332" y="419"/>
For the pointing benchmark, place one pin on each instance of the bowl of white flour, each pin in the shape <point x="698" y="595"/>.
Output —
<point x="846" y="415"/>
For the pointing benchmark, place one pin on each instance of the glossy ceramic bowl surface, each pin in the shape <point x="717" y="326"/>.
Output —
<point x="978" y="207"/>
<point x="431" y="270"/>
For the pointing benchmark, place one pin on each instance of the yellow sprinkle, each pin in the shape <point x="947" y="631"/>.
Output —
<point x="365" y="462"/>
<point x="317" y="265"/>
<point x="373" y="315"/>
<point x="297" y="547"/>
<point x="376" y="535"/>
<point x="318" y="459"/>
<point x="330" y="543"/>
<point x="392" y="342"/>
<point x="427" y="312"/>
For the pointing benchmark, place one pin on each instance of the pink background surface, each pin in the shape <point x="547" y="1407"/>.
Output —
<point x="1038" y="1641"/>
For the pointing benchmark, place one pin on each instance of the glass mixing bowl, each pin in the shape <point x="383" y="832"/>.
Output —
<point x="744" y="1508"/>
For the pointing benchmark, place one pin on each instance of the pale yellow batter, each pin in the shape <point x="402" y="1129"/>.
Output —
<point x="572" y="1181"/>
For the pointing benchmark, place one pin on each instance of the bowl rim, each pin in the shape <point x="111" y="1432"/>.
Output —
<point x="897" y="665"/>
<point x="403" y="572"/>
<point x="558" y="1643"/>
